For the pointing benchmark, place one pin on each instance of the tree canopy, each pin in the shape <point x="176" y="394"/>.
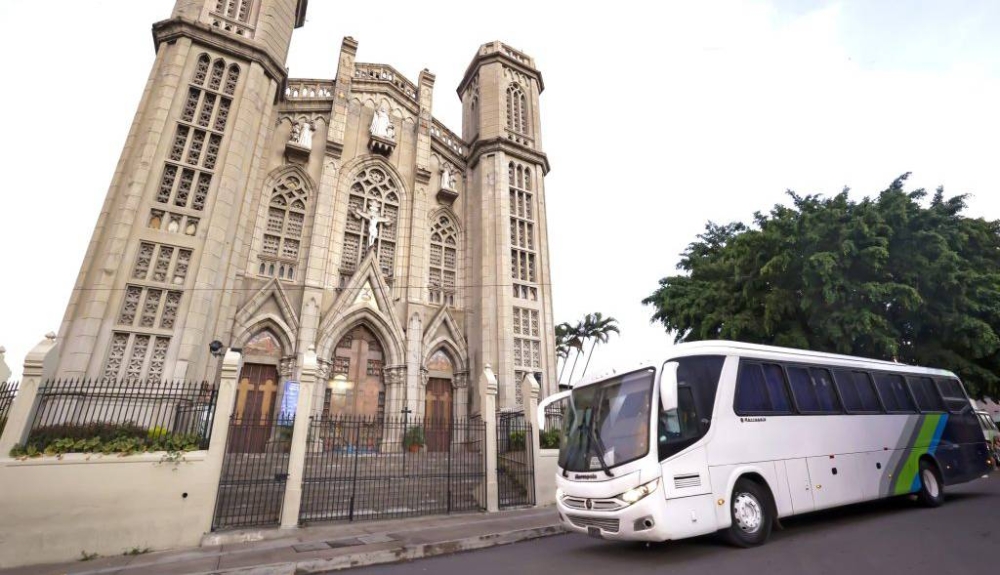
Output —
<point x="883" y="278"/>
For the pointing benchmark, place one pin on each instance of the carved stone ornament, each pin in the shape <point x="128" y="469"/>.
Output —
<point x="383" y="133"/>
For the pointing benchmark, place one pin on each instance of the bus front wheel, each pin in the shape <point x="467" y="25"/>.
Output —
<point x="931" y="492"/>
<point x="751" y="515"/>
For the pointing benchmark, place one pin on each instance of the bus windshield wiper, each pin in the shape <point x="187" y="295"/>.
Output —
<point x="599" y="450"/>
<point x="595" y="438"/>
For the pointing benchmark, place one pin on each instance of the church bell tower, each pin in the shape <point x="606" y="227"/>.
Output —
<point x="159" y="270"/>
<point x="513" y="329"/>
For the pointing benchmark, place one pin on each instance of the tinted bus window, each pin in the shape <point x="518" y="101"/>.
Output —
<point x="776" y="388"/>
<point x="954" y="396"/>
<point x="761" y="389"/>
<point x="858" y="392"/>
<point x="813" y="390"/>
<point x="927" y="395"/>
<point x="893" y="392"/>
<point x="823" y="384"/>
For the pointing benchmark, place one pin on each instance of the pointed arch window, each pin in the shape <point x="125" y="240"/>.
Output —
<point x="443" y="261"/>
<point x="372" y="190"/>
<point x="517" y="109"/>
<point x="283" y="231"/>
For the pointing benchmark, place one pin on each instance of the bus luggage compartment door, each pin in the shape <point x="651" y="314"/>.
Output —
<point x="835" y="480"/>
<point x="799" y="486"/>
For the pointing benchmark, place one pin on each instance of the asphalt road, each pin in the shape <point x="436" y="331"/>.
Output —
<point x="885" y="537"/>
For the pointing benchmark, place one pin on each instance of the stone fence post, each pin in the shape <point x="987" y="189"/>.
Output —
<point x="19" y="416"/>
<point x="529" y="396"/>
<point x="225" y="402"/>
<point x="488" y="411"/>
<point x="300" y="438"/>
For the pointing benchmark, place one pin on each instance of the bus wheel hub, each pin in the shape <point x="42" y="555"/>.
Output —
<point x="747" y="512"/>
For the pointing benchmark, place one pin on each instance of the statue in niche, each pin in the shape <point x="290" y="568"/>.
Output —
<point x="447" y="177"/>
<point x="305" y="135"/>
<point x="382" y="126"/>
<point x="374" y="219"/>
<point x="302" y="133"/>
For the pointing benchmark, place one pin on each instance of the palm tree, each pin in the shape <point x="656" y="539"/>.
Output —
<point x="599" y="330"/>
<point x="580" y="333"/>
<point x="562" y="345"/>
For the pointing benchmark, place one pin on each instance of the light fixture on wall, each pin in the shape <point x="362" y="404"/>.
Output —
<point x="216" y="348"/>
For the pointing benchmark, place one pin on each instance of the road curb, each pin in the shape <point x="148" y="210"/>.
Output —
<point x="398" y="554"/>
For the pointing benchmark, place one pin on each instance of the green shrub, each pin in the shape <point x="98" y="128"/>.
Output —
<point x="103" y="438"/>
<point x="414" y="436"/>
<point x="550" y="439"/>
<point x="516" y="440"/>
<point x="157" y="431"/>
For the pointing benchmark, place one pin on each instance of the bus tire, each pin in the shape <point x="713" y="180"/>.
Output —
<point x="750" y="510"/>
<point x="931" y="492"/>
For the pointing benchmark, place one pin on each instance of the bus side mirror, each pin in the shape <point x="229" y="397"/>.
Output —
<point x="547" y="402"/>
<point x="668" y="386"/>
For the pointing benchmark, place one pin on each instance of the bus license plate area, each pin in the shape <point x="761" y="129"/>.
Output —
<point x="595" y="532"/>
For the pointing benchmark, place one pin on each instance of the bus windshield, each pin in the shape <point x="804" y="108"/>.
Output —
<point x="608" y="423"/>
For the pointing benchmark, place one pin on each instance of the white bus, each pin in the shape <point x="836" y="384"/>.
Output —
<point x="730" y="437"/>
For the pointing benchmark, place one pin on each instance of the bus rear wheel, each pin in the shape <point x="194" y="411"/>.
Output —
<point x="931" y="492"/>
<point x="751" y="515"/>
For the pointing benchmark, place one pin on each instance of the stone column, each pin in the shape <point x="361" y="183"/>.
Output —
<point x="395" y="387"/>
<point x="460" y="407"/>
<point x="225" y="401"/>
<point x="19" y="416"/>
<point x="323" y="369"/>
<point x="529" y="394"/>
<point x="488" y="395"/>
<point x="414" y="384"/>
<point x="300" y="437"/>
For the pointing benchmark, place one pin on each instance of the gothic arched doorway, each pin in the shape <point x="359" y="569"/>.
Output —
<point x="439" y="400"/>
<point x="356" y="386"/>
<point x="257" y="394"/>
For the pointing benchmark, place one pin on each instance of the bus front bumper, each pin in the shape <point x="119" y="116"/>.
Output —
<point x="649" y="519"/>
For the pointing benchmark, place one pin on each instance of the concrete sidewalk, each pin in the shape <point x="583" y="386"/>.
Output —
<point x="323" y="548"/>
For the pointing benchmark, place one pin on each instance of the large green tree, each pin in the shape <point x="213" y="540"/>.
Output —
<point x="886" y="278"/>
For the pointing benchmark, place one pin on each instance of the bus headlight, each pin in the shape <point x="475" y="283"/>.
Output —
<point x="637" y="493"/>
<point x="559" y="494"/>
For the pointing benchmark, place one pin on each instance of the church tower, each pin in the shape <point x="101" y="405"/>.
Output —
<point x="160" y="268"/>
<point x="509" y="268"/>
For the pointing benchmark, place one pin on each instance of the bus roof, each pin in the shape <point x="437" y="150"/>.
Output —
<point x="725" y="347"/>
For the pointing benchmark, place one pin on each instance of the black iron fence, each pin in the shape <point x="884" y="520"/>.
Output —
<point x="364" y="468"/>
<point x="8" y="391"/>
<point x="128" y="412"/>
<point x="515" y="460"/>
<point x="254" y="472"/>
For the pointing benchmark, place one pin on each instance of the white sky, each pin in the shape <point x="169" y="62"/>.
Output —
<point x="656" y="118"/>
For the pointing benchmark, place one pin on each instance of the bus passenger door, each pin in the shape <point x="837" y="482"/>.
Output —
<point x="799" y="486"/>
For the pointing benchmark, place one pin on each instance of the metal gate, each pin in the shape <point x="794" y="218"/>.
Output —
<point x="254" y="472"/>
<point x="515" y="461"/>
<point x="363" y="468"/>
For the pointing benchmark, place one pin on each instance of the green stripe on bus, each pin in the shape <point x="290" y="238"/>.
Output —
<point x="922" y="444"/>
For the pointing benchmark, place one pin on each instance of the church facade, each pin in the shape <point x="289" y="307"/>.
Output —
<point x="280" y="215"/>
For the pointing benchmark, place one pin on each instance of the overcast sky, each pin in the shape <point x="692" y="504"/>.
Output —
<point x="655" y="120"/>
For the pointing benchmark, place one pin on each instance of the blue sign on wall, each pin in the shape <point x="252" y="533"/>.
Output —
<point x="290" y="398"/>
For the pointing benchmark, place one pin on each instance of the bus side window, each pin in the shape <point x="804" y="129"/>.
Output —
<point x="803" y="390"/>
<point x="828" y="402"/>
<point x="926" y="394"/>
<point x="857" y="390"/>
<point x="894" y="394"/>
<point x="954" y="396"/>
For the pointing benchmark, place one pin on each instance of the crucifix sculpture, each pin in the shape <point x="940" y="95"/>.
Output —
<point x="374" y="219"/>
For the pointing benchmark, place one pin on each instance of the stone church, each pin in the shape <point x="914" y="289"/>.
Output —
<point x="278" y="215"/>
